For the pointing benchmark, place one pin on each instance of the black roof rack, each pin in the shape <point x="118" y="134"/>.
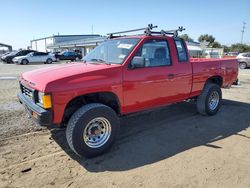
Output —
<point x="148" y="31"/>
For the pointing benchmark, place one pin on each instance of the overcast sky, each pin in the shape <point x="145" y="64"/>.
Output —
<point x="24" y="20"/>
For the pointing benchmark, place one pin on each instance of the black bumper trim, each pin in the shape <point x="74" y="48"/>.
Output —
<point x="44" y="117"/>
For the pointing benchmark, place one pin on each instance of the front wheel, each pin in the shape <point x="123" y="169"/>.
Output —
<point x="242" y="65"/>
<point x="209" y="101"/>
<point x="92" y="130"/>
<point x="24" y="62"/>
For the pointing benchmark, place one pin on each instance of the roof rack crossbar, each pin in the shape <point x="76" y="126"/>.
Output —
<point x="147" y="30"/>
<point x="173" y="32"/>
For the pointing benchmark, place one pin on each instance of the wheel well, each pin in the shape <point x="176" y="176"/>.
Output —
<point x="216" y="80"/>
<point x="106" y="98"/>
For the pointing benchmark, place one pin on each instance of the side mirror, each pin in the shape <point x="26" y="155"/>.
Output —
<point x="138" y="62"/>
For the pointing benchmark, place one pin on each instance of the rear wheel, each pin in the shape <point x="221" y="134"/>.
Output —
<point x="77" y="59"/>
<point x="237" y="82"/>
<point x="24" y="62"/>
<point x="92" y="130"/>
<point x="49" y="61"/>
<point x="209" y="101"/>
<point x="242" y="65"/>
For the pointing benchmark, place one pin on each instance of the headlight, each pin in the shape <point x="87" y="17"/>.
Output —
<point x="44" y="100"/>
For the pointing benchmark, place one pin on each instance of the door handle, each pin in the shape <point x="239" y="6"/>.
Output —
<point x="171" y="76"/>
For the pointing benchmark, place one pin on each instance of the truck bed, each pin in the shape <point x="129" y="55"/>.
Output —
<point x="203" y="68"/>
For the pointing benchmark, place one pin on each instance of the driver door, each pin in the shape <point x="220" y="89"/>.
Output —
<point x="154" y="84"/>
<point x="32" y="57"/>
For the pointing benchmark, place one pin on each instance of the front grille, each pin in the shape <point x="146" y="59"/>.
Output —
<point x="26" y="91"/>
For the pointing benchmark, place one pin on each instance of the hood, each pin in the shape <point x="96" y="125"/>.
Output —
<point x="38" y="79"/>
<point x="19" y="57"/>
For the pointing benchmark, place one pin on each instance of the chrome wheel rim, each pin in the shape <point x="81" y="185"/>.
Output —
<point x="97" y="132"/>
<point x="213" y="100"/>
<point x="242" y="65"/>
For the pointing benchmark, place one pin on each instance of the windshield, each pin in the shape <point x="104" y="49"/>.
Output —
<point x="12" y="53"/>
<point x="112" y="51"/>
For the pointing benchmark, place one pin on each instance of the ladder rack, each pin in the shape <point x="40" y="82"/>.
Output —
<point x="148" y="31"/>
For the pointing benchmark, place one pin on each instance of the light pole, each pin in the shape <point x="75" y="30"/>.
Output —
<point x="242" y="32"/>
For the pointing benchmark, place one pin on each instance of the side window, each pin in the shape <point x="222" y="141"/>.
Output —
<point x="42" y="53"/>
<point x="181" y="51"/>
<point x="19" y="53"/>
<point x="25" y="52"/>
<point x="155" y="52"/>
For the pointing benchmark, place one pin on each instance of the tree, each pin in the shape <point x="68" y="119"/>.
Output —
<point x="207" y="38"/>
<point x="226" y="48"/>
<point x="186" y="38"/>
<point x="210" y="39"/>
<point x="239" y="48"/>
<point x="216" y="44"/>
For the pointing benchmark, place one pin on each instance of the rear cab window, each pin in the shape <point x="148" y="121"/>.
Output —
<point x="181" y="50"/>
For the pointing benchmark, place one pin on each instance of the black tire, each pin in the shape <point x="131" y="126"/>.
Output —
<point x="237" y="82"/>
<point x="49" y="61"/>
<point x="242" y="65"/>
<point x="77" y="59"/>
<point x="203" y="104"/>
<point x="81" y="119"/>
<point x="9" y="61"/>
<point x="25" y="62"/>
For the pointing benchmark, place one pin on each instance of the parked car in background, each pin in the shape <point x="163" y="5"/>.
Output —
<point x="234" y="54"/>
<point x="35" y="57"/>
<point x="2" y="56"/>
<point x="55" y="53"/>
<point x="69" y="55"/>
<point x="244" y="60"/>
<point x="8" y="58"/>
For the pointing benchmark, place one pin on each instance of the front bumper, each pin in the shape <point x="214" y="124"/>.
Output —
<point x="15" y="61"/>
<point x="41" y="116"/>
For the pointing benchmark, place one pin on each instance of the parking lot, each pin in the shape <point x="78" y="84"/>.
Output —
<point x="172" y="146"/>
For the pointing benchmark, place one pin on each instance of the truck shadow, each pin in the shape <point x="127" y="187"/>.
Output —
<point x="149" y="137"/>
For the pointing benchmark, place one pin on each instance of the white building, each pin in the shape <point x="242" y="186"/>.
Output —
<point x="197" y="49"/>
<point x="42" y="44"/>
<point x="83" y="45"/>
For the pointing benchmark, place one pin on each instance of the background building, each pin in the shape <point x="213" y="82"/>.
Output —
<point x="4" y="48"/>
<point x="83" y="45"/>
<point x="197" y="50"/>
<point x="42" y="44"/>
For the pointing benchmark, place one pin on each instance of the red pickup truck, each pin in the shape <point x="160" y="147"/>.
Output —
<point x="123" y="75"/>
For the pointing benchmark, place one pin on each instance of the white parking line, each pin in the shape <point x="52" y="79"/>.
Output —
<point x="8" y="78"/>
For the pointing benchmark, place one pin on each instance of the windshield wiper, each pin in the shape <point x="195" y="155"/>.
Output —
<point x="99" y="61"/>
